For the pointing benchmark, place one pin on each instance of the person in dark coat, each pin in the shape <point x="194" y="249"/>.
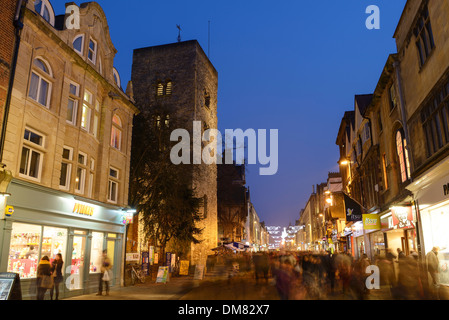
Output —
<point x="43" y="269"/>
<point x="56" y="269"/>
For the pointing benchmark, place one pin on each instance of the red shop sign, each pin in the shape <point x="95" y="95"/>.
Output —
<point x="402" y="217"/>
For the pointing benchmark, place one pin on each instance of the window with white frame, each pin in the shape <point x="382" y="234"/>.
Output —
<point x="92" y="53"/>
<point x="66" y="168"/>
<point x="32" y="155"/>
<point x="78" y="44"/>
<point x="116" y="132"/>
<point x="72" y="105"/>
<point x="80" y="180"/>
<point x="40" y="85"/>
<point x="116" y="77"/>
<point x="113" y="185"/>
<point x="44" y="9"/>
<point x="86" y="111"/>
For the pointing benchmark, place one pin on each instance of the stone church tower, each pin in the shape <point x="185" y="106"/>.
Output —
<point x="180" y="78"/>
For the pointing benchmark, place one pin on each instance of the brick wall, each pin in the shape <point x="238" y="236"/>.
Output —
<point x="7" y="11"/>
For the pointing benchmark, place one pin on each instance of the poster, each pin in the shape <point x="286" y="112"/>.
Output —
<point x="184" y="268"/>
<point x="162" y="275"/>
<point x="199" y="272"/>
<point x="168" y="261"/>
<point x="146" y="263"/>
<point x="173" y="262"/>
<point x="156" y="258"/>
<point x="151" y="255"/>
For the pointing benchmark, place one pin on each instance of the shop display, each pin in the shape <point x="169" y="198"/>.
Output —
<point x="24" y="250"/>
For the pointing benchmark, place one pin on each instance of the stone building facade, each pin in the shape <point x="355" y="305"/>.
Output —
<point x="179" y="79"/>
<point x="67" y="145"/>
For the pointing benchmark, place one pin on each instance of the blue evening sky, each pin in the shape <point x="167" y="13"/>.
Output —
<point x="288" y="65"/>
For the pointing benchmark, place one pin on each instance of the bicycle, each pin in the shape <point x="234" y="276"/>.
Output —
<point x="137" y="276"/>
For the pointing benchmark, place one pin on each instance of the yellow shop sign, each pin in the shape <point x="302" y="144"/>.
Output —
<point x="83" y="209"/>
<point x="371" y="222"/>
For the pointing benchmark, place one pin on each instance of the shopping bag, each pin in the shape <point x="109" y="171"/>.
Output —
<point x="47" y="282"/>
<point x="106" y="276"/>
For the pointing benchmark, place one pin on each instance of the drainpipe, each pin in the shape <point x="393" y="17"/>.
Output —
<point x="18" y="24"/>
<point x="397" y="68"/>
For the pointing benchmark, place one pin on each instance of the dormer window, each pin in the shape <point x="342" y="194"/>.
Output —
<point x="44" y="9"/>
<point x="92" y="54"/>
<point x="78" y="44"/>
<point x="116" y="77"/>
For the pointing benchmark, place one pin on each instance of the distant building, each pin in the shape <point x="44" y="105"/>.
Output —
<point x="232" y="202"/>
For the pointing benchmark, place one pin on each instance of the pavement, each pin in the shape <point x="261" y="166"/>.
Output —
<point x="212" y="288"/>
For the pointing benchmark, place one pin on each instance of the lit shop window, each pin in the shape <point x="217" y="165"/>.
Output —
<point x="24" y="250"/>
<point x="96" y="252"/>
<point x="31" y="158"/>
<point x="54" y="241"/>
<point x="77" y="263"/>
<point x="28" y="246"/>
<point x="40" y="86"/>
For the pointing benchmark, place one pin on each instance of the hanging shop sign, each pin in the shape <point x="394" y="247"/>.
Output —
<point x="371" y="222"/>
<point x="353" y="209"/>
<point x="402" y="217"/>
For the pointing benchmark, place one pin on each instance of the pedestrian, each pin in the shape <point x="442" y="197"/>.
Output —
<point x="105" y="274"/>
<point x="433" y="269"/>
<point x="44" y="280"/>
<point x="56" y="269"/>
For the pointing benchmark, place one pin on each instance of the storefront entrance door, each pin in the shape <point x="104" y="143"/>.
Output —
<point x="76" y="281"/>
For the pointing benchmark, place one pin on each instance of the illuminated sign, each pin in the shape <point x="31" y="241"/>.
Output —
<point x="9" y="210"/>
<point x="371" y="222"/>
<point x="83" y="209"/>
<point x="402" y="217"/>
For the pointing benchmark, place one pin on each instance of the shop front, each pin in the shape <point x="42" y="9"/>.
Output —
<point x="399" y="228"/>
<point x="46" y="222"/>
<point x="432" y="196"/>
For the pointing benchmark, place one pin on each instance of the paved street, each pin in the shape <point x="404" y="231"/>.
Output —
<point x="211" y="288"/>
